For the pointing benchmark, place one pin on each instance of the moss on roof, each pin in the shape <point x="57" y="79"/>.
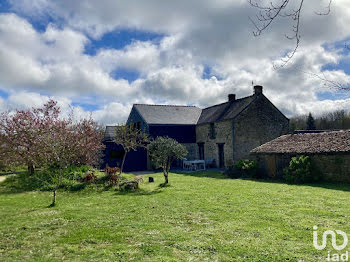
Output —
<point x="316" y="142"/>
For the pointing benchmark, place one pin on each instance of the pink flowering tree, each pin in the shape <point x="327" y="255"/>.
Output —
<point x="43" y="137"/>
<point x="21" y="131"/>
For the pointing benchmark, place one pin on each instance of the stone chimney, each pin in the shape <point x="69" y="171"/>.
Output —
<point x="258" y="90"/>
<point x="231" y="97"/>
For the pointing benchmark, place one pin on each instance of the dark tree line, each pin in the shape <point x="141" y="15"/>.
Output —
<point x="330" y="121"/>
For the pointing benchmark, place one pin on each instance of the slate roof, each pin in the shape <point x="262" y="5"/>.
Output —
<point x="317" y="142"/>
<point x="110" y="133"/>
<point x="169" y="114"/>
<point x="224" y="111"/>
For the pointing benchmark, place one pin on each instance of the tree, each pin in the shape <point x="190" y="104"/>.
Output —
<point x="43" y="137"/>
<point x="130" y="138"/>
<point x="310" y="123"/>
<point x="66" y="143"/>
<point x="22" y="131"/>
<point x="328" y="121"/>
<point x="163" y="151"/>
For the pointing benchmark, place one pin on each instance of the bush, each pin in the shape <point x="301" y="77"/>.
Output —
<point x="245" y="169"/>
<point x="248" y="168"/>
<point x="129" y="186"/>
<point x="301" y="170"/>
<point x="89" y="178"/>
<point x="76" y="172"/>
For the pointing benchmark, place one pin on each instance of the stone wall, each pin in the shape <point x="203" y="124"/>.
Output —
<point x="334" y="168"/>
<point x="259" y="123"/>
<point x="223" y="132"/>
<point x="192" y="149"/>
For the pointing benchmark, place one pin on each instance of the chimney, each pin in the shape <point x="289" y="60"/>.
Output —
<point x="231" y="97"/>
<point x="258" y="90"/>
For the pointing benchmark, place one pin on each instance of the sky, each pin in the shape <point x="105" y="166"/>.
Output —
<point x="101" y="57"/>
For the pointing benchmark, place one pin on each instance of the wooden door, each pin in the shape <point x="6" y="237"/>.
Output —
<point x="221" y="156"/>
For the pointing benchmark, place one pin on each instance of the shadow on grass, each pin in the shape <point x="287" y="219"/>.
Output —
<point x="326" y="185"/>
<point x="139" y="192"/>
<point x="216" y="173"/>
<point x="19" y="183"/>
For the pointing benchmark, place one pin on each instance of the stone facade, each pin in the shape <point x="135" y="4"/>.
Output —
<point x="259" y="123"/>
<point x="223" y="135"/>
<point x="192" y="149"/>
<point x="334" y="167"/>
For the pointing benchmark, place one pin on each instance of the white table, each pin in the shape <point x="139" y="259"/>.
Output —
<point x="194" y="165"/>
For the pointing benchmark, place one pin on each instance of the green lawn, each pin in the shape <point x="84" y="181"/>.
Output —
<point x="199" y="217"/>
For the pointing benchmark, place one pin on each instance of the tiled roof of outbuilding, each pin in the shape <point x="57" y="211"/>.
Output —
<point x="316" y="142"/>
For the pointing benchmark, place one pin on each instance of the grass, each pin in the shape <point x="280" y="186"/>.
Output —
<point x="199" y="217"/>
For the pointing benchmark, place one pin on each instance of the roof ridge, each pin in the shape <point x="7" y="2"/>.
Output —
<point x="228" y="102"/>
<point x="165" y="105"/>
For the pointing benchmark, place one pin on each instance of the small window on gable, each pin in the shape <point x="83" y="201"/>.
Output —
<point x="212" y="131"/>
<point x="138" y="125"/>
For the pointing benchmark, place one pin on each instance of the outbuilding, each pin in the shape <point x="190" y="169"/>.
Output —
<point x="328" y="150"/>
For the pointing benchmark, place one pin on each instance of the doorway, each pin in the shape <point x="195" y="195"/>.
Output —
<point x="201" y="151"/>
<point x="221" y="155"/>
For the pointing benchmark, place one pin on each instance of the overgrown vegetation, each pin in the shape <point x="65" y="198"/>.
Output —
<point x="244" y="169"/>
<point x="301" y="170"/>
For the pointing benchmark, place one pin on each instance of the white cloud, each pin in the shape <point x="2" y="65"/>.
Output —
<point x="112" y="113"/>
<point x="198" y="33"/>
<point x="140" y="56"/>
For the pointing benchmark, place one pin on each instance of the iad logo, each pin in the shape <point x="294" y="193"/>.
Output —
<point x="335" y="256"/>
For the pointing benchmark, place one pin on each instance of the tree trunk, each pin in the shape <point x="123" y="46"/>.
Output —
<point x="54" y="198"/>
<point x="122" y="166"/>
<point x="166" y="178"/>
<point x="166" y="171"/>
<point x="30" y="169"/>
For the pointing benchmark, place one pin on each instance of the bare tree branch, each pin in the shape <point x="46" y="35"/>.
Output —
<point x="270" y="13"/>
<point x="330" y="83"/>
<point x="328" y="9"/>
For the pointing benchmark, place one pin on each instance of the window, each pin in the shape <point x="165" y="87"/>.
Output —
<point x="212" y="131"/>
<point x="137" y="125"/>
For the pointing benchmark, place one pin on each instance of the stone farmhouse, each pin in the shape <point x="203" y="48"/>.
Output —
<point x="224" y="133"/>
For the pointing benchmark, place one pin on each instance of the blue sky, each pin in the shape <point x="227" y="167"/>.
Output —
<point x="102" y="58"/>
